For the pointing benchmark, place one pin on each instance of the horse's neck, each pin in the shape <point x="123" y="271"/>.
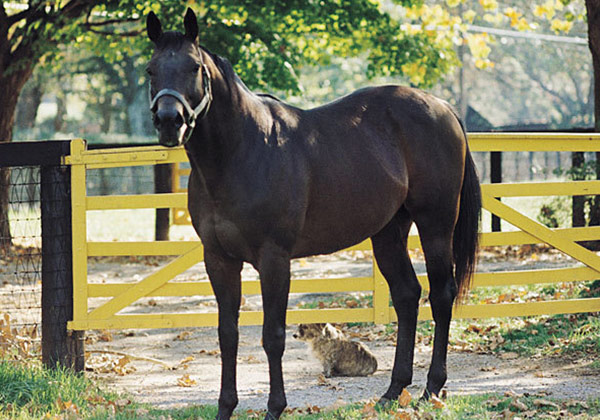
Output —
<point x="232" y="122"/>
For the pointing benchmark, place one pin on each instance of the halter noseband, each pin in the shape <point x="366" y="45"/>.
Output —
<point x="192" y="114"/>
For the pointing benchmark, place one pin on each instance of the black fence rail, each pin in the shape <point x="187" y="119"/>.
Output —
<point x="35" y="253"/>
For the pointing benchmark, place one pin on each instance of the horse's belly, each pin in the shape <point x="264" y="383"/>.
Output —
<point x="337" y="221"/>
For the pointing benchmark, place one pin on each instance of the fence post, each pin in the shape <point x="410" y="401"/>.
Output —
<point x="381" y="297"/>
<point x="163" y="175"/>
<point x="59" y="346"/>
<point x="496" y="177"/>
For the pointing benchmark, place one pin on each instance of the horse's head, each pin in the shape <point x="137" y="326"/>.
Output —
<point x="180" y="86"/>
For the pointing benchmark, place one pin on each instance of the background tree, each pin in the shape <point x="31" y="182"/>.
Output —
<point x="264" y="41"/>
<point x="268" y="42"/>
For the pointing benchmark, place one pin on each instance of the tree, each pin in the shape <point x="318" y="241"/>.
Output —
<point x="27" y="35"/>
<point x="264" y="41"/>
<point x="267" y="41"/>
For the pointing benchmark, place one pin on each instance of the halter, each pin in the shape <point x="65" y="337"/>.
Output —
<point x="192" y="114"/>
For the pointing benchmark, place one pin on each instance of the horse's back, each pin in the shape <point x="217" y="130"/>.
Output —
<point x="369" y="154"/>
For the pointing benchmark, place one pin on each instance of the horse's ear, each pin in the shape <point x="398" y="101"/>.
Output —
<point x="153" y="27"/>
<point x="190" y="24"/>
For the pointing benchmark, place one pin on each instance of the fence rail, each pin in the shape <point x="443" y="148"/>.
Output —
<point x="122" y="295"/>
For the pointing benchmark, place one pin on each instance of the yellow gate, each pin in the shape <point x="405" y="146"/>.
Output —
<point x="121" y="295"/>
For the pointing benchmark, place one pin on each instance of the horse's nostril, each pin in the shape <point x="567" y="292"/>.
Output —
<point x="168" y="118"/>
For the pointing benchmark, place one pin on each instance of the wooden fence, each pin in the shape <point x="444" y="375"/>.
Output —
<point x="121" y="295"/>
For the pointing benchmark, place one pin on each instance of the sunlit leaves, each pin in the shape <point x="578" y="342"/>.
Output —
<point x="550" y="8"/>
<point x="559" y="25"/>
<point x="269" y="42"/>
<point x="516" y="19"/>
<point x="480" y="49"/>
<point x="453" y="3"/>
<point x="489" y="5"/>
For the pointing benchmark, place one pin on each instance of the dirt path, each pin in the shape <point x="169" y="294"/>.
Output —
<point x="469" y="373"/>
<point x="194" y="352"/>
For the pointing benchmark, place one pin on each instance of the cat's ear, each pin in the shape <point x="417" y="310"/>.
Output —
<point x="329" y="331"/>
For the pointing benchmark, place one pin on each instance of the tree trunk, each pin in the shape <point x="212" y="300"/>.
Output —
<point x="12" y="85"/>
<point x="578" y="174"/>
<point x="593" y="18"/>
<point x="29" y="104"/>
<point x="61" y="111"/>
<point x="162" y="184"/>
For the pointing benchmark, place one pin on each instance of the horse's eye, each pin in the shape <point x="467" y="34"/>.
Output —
<point x="196" y="68"/>
<point x="149" y="71"/>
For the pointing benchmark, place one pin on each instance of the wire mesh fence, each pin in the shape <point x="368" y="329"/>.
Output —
<point x="21" y="260"/>
<point x="21" y="263"/>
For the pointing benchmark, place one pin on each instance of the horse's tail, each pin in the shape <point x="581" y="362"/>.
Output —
<point x="466" y="231"/>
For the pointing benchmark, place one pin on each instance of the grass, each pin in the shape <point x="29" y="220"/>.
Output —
<point x="30" y="392"/>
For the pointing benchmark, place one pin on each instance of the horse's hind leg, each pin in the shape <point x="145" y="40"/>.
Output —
<point x="389" y="248"/>
<point x="435" y="231"/>
<point x="225" y="278"/>
<point x="274" y="270"/>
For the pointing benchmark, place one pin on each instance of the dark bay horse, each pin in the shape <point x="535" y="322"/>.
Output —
<point x="271" y="182"/>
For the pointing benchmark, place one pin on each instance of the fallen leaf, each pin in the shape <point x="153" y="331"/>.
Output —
<point x="184" y="335"/>
<point x="313" y="409"/>
<point x="351" y="303"/>
<point x="105" y="335"/>
<point x="437" y="403"/>
<point x="185" y="381"/>
<point x="405" y="398"/>
<point x="250" y="359"/>
<point x="518" y="405"/>
<point x="511" y="355"/>
<point x="540" y="402"/>
<point x="187" y="360"/>
<point x="322" y="380"/>
<point x="122" y="402"/>
<point x="209" y="352"/>
<point x="369" y="411"/>
<point x="403" y="415"/>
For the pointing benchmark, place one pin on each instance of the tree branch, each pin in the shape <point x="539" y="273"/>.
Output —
<point x="127" y="34"/>
<point x="12" y="19"/>
<point x="89" y="24"/>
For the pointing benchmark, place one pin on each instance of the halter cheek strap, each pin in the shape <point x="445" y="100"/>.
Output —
<point x="191" y="114"/>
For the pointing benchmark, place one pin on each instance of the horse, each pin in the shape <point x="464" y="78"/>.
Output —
<point x="271" y="182"/>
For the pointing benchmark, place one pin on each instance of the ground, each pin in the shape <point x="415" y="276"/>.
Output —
<point x="172" y="367"/>
<point x="197" y="380"/>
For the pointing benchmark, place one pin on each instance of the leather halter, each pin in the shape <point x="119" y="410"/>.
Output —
<point x="191" y="114"/>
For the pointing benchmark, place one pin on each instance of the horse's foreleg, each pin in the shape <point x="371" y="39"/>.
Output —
<point x="274" y="270"/>
<point x="438" y="257"/>
<point x="389" y="247"/>
<point x="225" y="278"/>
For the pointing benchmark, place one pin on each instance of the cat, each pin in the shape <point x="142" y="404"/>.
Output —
<point x="338" y="355"/>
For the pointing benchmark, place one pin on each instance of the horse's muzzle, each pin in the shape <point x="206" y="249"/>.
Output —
<point x="170" y="126"/>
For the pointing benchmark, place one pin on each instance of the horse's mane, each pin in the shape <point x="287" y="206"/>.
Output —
<point x="229" y="74"/>
<point x="171" y="39"/>
<point x="268" y="95"/>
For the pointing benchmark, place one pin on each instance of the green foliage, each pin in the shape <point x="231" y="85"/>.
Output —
<point x="572" y="336"/>
<point x="35" y="390"/>
<point x="556" y="213"/>
<point x="29" y="391"/>
<point x="268" y="42"/>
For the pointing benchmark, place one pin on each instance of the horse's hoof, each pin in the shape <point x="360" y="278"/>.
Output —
<point x="270" y="416"/>
<point x="384" y="402"/>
